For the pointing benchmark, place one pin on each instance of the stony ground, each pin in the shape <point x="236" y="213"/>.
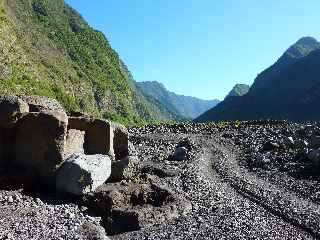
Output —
<point x="244" y="181"/>
<point x="25" y="216"/>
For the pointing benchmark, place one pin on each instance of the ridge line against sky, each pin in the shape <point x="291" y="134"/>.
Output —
<point x="200" y="48"/>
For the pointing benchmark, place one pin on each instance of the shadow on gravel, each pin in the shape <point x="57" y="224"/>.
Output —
<point x="19" y="180"/>
<point x="308" y="172"/>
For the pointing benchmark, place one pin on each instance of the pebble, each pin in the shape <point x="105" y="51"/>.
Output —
<point x="10" y="199"/>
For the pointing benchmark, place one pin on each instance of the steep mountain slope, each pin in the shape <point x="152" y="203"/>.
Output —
<point x="238" y="90"/>
<point x="289" y="89"/>
<point x="49" y="49"/>
<point x="185" y="106"/>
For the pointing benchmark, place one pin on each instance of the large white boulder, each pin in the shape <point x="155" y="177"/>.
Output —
<point x="81" y="174"/>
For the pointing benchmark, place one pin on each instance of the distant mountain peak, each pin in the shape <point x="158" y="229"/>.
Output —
<point x="303" y="47"/>
<point x="307" y="41"/>
<point x="238" y="90"/>
<point x="289" y="89"/>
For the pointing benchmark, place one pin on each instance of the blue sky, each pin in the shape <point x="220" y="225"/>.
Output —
<point x="201" y="48"/>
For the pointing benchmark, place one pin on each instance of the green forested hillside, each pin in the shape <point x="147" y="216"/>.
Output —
<point x="184" y="106"/>
<point x="48" y="49"/>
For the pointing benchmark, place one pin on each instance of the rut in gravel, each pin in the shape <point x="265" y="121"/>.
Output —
<point x="287" y="205"/>
<point x="229" y="202"/>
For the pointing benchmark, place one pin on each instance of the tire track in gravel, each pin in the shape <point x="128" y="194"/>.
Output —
<point x="299" y="212"/>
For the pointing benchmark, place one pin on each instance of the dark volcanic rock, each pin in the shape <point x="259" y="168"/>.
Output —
<point x="180" y="154"/>
<point x="128" y="207"/>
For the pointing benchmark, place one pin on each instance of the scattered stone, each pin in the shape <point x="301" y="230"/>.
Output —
<point x="186" y="143"/>
<point x="270" y="146"/>
<point x="314" y="141"/>
<point x="288" y="141"/>
<point x="10" y="199"/>
<point x="180" y="154"/>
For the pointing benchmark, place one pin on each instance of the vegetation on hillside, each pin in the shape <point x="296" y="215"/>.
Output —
<point x="49" y="49"/>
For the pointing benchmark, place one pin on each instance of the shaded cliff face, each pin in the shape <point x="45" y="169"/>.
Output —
<point x="49" y="49"/>
<point x="183" y="106"/>
<point x="289" y="89"/>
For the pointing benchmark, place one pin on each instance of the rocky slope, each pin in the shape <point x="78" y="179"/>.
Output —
<point x="183" y="106"/>
<point x="48" y="49"/>
<point x="238" y="90"/>
<point x="289" y="89"/>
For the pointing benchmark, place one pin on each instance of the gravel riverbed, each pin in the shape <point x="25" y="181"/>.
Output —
<point x="242" y="180"/>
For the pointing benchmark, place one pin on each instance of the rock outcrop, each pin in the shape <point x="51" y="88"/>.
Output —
<point x="38" y="143"/>
<point x="73" y="153"/>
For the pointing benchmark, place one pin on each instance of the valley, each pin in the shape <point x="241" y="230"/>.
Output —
<point x="90" y="151"/>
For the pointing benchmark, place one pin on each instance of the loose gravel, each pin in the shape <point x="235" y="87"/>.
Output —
<point x="238" y="188"/>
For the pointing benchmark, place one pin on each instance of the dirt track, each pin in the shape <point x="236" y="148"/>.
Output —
<point x="229" y="201"/>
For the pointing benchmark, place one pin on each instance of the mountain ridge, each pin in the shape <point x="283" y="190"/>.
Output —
<point x="279" y="92"/>
<point x="186" y="106"/>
